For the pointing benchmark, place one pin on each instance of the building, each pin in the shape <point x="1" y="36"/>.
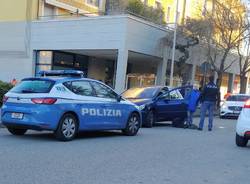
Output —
<point x="120" y="50"/>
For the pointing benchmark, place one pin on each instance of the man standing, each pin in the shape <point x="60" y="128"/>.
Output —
<point x="192" y="104"/>
<point x="209" y="97"/>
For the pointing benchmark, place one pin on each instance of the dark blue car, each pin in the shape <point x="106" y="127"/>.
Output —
<point x="160" y="103"/>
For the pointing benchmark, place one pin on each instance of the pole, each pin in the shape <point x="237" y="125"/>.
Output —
<point x="174" y="44"/>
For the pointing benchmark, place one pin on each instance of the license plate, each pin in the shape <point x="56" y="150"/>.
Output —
<point x="16" y="115"/>
<point x="236" y="112"/>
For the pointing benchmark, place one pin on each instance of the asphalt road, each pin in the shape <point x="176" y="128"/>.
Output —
<point x="161" y="155"/>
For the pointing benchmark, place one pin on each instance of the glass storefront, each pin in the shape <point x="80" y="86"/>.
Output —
<point x="140" y="80"/>
<point x="96" y="68"/>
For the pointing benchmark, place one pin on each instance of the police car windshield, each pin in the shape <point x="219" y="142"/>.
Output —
<point x="239" y="98"/>
<point x="141" y="93"/>
<point x="33" y="86"/>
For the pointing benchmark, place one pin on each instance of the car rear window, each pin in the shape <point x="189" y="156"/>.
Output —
<point x="238" y="98"/>
<point x="33" y="86"/>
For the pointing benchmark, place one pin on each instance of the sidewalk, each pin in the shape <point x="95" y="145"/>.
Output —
<point x="198" y="112"/>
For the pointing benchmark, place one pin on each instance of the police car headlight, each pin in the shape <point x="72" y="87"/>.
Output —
<point x="142" y="107"/>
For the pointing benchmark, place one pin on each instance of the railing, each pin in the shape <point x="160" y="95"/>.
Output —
<point x="99" y="13"/>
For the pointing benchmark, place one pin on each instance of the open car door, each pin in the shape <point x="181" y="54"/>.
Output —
<point x="172" y="105"/>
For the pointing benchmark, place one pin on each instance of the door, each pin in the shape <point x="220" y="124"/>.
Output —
<point x="87" y="105"/>
<point x="114" y="111"/>
<point x="172" y="104"/>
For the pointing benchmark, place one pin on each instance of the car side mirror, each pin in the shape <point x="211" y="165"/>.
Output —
<point x="119" y="98"/>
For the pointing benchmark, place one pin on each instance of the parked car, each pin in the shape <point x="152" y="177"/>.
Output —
<point x="243" y="126"/>
<point x="66" y="105"/>
<point x="159" y="103"/>
<point x="233" y="105"/>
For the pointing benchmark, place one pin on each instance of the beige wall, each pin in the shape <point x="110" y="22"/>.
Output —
<point x="18" y="10"/>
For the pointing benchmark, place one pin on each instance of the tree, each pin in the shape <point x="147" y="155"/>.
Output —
<point x="244" y="64"/>
<point x="220" y="30"/>
<point x="152" y="14"/>
<point x="184" y="41"/>
<point x="136" y="7"/>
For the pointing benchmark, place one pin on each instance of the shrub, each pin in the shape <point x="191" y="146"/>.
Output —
<point x="155" y="15"/>
<point x="4" y="88"/>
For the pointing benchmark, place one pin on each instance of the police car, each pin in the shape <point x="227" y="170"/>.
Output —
<point x="243" y="126"/>
<point x="66" y="103"/>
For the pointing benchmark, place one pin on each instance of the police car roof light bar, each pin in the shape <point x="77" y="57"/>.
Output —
<point x="62" y="73"/>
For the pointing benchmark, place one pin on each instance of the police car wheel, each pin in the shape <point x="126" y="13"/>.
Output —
<point x="133" y="125"/>
<point x="67" y="128"/>
<point x="150" y="119"/>
<point x="17" y="131"/>
<point x="240" y="141"/>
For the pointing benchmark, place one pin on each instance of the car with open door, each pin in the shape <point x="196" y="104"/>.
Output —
<point x="160" y="103"/>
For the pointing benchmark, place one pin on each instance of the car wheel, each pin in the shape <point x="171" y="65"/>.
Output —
<point x="178" y="123"/>
<point x="67" y="128"/>
<point x="241" y="141"/>
<point x="17" y="131"/>
<point x="222" y="117"/>
<point x="133" y="125"/>
<point x="150" y="119"/>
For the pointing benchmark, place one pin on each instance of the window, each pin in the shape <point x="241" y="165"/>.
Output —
<point x="44" y="61"/>
<point x="63" y="59"/>
<point x="33" y="86"/>
<point x="173" y="95"/>
<point x="80" y="88"/>
<point x="93" y="2"/>
<point x="103" y="91"/>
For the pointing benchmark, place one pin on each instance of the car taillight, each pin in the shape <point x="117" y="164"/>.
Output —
<point x="5" y="98"/>
<point x="247" y="104"/>
<point x="47" y="101"/>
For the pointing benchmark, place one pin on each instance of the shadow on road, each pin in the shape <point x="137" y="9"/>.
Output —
<point x="49" y="136"/>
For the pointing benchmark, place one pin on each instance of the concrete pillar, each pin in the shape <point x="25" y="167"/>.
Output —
<point x="121" y="70"/>
<point x="231" y="79"/>
<point x="193" y="74"/>
<point x="162" y="68"/>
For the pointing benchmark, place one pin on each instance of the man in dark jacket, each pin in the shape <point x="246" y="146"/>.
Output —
<point x="209" y="97"/>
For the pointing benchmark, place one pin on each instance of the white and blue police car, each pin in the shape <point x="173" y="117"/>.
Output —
<point x="66" y="103"/>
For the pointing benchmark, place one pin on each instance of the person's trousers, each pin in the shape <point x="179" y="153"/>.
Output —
<point x="207" y="106"/>
<point x="190" y="118"/>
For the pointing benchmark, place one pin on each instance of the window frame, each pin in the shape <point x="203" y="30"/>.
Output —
<point x="98" y="83"/>
<point x="93" y="94"/>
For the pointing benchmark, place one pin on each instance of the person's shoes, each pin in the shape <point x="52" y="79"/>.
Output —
<point x="210" y="129"/>
<point x="200" y="129"/>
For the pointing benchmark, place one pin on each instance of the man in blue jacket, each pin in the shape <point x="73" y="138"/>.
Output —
<point x="193" y="100"/>
<point x="209" y="96"/>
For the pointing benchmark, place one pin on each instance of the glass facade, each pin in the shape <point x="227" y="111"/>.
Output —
<point x="44" y="61"/>
<point x="96" y="68"/>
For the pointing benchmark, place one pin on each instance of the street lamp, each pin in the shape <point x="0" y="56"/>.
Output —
<point x="174" y="44"/>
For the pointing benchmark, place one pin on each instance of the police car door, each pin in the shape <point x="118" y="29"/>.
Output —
<point x="113" y="112"/>
<point x="86" y="104"/>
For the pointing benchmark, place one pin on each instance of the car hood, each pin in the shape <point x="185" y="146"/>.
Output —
<point x="139" y="101"/>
